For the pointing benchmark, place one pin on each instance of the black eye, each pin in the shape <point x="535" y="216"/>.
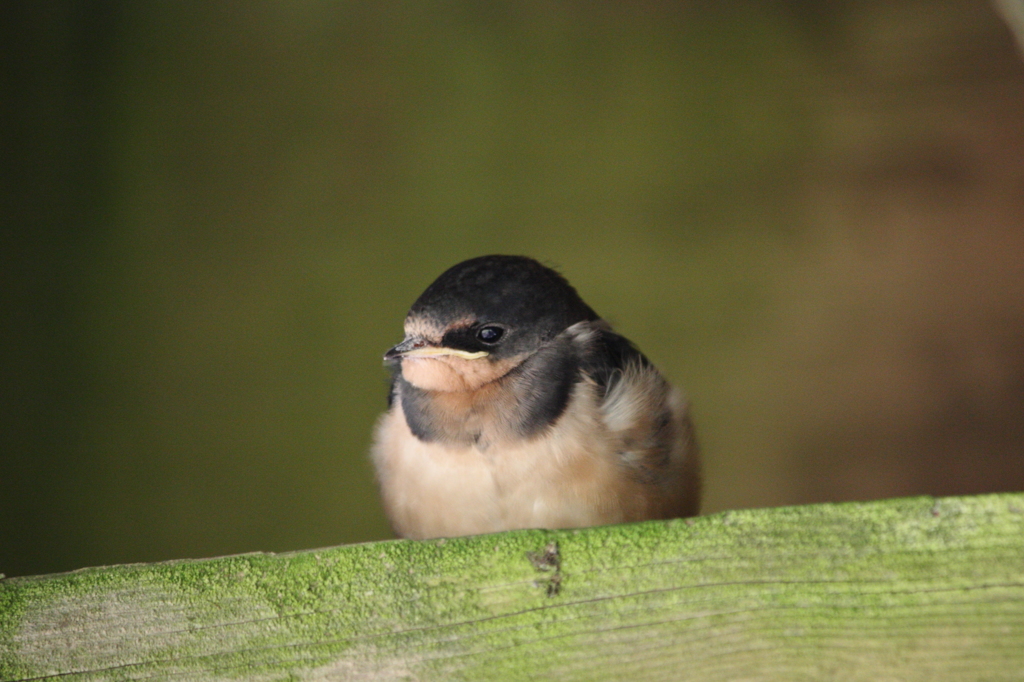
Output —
<point x="490" y="334"/>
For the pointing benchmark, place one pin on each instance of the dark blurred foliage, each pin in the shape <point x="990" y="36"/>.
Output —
<point x="810" y="215"/>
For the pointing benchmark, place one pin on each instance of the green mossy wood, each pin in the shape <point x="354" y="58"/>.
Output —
<point x="905" y="589"/>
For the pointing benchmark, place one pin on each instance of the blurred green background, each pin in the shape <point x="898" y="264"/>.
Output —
<point x="215" y="215"/>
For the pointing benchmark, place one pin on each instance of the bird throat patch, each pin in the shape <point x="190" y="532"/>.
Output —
<point x="451" y="373"/>
<point x="525" y="396"/>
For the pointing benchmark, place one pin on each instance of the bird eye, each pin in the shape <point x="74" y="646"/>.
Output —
<point x="490" y="334"/>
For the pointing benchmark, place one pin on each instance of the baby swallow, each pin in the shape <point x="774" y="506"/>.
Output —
<point x="514" y="405"/>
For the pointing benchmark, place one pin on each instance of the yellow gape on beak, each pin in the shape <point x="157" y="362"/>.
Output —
<point x="418" y="347"/>
<point x="434" y="351"/>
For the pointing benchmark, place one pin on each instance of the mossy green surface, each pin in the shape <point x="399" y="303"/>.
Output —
<point x="900" y="589"/>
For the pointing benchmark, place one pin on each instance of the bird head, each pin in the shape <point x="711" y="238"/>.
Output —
<point x="481" y="318"/>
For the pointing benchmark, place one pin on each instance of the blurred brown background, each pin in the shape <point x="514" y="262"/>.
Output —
<point x="810" y="215"/>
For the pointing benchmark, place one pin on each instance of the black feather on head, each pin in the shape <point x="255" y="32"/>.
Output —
<point x="531" y="303"/>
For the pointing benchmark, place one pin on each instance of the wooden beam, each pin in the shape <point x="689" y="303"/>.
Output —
<point x="904" y="589"/>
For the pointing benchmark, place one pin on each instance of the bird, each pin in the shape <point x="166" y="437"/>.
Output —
<point x="512" y="405"/>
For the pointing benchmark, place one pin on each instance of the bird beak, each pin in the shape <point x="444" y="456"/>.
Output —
<point x="418" y="347"/>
